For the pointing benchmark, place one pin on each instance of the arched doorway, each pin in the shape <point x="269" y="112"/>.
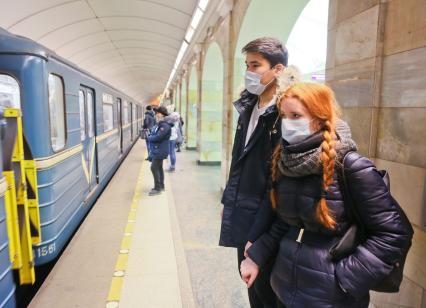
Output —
<point x="191" y="125"/>
<point x="210" y="151"/>
<point x="183" y="102"/>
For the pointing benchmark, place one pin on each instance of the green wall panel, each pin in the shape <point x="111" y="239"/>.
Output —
<point x="211" y="106"/>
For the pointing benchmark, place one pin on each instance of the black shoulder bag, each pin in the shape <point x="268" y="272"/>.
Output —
<point x="356" y="234"/>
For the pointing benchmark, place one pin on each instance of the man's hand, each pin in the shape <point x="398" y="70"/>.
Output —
<point x="249" y="271"/>
<point x="246" y="248"/>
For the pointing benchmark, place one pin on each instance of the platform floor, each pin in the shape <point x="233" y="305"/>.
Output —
<point x="134" y="250"/>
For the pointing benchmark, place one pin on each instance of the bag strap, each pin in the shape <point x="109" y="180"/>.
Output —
<point x="347" y="198"/>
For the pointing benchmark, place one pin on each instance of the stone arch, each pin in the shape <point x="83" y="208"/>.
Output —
<point x="211" y="107"/>
<point x="191" y="123"/>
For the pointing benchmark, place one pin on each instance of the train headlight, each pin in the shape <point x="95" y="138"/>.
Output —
<point x="9" y="92"/>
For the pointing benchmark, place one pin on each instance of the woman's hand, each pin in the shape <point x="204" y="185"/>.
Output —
<point x="249" y="271"/>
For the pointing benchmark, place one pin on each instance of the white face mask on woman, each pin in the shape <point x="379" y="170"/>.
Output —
<point x="253" y="84"/>
<point x="294" y="131"/>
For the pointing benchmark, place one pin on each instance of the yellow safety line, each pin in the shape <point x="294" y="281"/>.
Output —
<point x="121" y="264"/>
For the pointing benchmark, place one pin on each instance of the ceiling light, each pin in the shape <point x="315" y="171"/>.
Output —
<point x="181" y="53"/>
<point x="189" y="34"/>
<point x="203" y="4"/>
<point x="197" y="17"/>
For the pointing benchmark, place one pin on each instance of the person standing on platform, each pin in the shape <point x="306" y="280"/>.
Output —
<point x="247" y="212"/>
<point x="174" y="119"/>
<point x="159" y="140"/>
<point x="148" y="124"/>
<point x="180" y="138"/>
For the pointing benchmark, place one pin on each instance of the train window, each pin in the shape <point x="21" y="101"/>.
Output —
<point x="108" y="112"/>
<point x="82" y="115"/>
<point x="108" y="117"/>
<point x="57" y="112"/>
<point x="10" y="94"/>
<point x="115" y="111"/>
<point x="90" y="115"/>
<point x="119" y="111"/>
<point x="125" y="113"/>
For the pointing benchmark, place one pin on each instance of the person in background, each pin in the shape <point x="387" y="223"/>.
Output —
<point x="174" y="119"/>
<point x="159" y="140"/>
<point x="148" y="124"/>
<point x="179" y="139"/>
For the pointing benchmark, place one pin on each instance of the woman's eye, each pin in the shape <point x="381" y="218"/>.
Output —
<point x="296" y="116"/>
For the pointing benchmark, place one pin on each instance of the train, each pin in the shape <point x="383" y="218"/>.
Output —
<point x="63" y="134"/>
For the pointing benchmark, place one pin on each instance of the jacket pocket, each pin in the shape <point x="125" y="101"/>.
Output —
<point x="248" y="203"/>
<point x="242" y="220"/>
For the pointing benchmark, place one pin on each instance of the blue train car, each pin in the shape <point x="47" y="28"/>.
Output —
<point x="76" y="129"/>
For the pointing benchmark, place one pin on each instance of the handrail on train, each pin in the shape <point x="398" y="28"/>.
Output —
<point x="21" y="197"/>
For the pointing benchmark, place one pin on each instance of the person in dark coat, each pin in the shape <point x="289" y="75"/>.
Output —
<point x="148" y="124"/>
<point x="246" y="213"/>
<point x="180" y="138"/>
<point x="159" y="140"/>
<point x="310" y="213"/>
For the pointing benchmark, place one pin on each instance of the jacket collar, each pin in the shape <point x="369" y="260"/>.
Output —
<point x="164" y="121"/>
<point x="247" y="101"/>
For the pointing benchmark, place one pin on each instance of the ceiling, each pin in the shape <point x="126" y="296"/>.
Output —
<point x="131" y="44"/>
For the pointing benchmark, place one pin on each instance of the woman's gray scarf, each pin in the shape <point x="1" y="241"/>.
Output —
<point x="296" y="164"/>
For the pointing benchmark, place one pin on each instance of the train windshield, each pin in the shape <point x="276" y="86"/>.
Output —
<point x="10" y="94"/>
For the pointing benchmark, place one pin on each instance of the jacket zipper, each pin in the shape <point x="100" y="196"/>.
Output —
<point x="294" y="273"/>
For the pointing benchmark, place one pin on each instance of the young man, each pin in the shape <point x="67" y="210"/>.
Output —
<point x="159" y="140"/>
<point x="247" y="212"/>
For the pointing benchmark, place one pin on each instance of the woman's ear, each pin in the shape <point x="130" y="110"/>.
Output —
<point x="316" y="125"/>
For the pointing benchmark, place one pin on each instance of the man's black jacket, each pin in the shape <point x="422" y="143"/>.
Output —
<point x="247" y="212"/>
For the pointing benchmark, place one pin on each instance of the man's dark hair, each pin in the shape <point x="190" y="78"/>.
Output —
<point x="270" y="48"/>
<point x="162" y="110"/>
<point x="149" y="107"/>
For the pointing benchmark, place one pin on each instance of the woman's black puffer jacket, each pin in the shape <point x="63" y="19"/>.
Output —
<point x="304" y="274"/>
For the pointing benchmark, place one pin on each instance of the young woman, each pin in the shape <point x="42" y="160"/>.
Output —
<point x="310" y="214"/>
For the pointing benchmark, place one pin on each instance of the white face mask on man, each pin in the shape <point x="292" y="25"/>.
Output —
<point x="253" y="84"/>
<point x="294" y="131"/>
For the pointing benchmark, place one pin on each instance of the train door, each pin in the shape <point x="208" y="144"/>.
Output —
<point x="87" y="133"/>
<point x="120" y="124"/>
